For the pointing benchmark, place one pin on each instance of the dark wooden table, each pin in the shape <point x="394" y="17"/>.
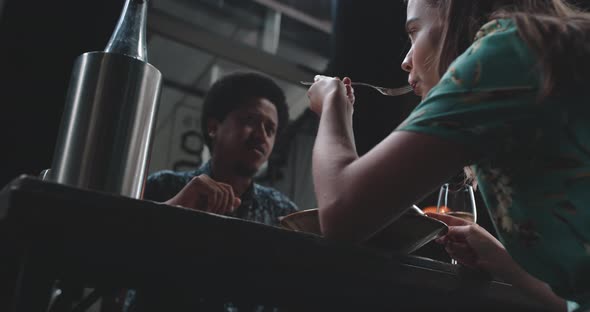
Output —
<point x="53" y="232"/>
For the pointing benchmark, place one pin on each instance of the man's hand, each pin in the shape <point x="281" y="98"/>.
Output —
<point x="205" y="194"/>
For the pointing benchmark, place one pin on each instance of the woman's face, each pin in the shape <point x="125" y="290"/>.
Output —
<point x="423" y="27"/>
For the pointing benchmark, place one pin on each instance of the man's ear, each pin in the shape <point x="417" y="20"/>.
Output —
<point x="212" y="126"/>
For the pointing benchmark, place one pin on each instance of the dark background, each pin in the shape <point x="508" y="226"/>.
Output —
<point x="39" y="42"/>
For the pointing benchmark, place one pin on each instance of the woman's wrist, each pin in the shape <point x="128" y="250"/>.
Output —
<point x="538" y="290"/>
<point x="336" y="102"/>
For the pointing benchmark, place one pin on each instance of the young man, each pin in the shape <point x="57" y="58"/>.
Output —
<point x="243" y="113"/>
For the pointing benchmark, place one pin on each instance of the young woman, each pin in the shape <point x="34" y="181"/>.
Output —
<point x="503" y="87"/>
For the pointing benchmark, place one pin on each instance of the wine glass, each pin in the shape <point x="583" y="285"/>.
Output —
<point x="457" y="201"/>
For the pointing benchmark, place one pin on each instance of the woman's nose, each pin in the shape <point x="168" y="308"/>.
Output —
<point x="407" y="62"/>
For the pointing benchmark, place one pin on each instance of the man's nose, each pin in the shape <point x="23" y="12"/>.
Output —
<point x="260" y="132"/>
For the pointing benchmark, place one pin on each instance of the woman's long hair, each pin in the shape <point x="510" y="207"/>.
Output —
<point x="557" y="32"/>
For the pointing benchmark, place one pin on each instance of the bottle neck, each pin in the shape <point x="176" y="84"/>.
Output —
<point x="129" y="35"/>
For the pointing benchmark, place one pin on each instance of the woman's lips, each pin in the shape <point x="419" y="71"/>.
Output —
<point x="416" y="87"/>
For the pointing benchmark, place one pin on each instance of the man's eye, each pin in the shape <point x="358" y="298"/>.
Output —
<point x="248" y="119"/>
<point x="271" y="130"/>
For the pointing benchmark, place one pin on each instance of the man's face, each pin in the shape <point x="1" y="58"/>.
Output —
<point x="246" y="137"/>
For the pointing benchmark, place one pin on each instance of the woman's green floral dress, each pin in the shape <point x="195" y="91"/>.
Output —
<point x="535" y="175"/>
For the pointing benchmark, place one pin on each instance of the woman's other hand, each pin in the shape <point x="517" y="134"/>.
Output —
<point x="327" y="90"/>
<point x="473" y="246"/>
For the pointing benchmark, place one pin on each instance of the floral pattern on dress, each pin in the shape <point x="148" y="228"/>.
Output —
<point x="500" y="188"/>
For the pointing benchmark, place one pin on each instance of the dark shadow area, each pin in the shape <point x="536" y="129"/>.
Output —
<point x="40" y="41"/>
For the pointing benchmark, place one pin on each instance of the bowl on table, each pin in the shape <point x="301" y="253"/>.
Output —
<point x="406" y="234"/>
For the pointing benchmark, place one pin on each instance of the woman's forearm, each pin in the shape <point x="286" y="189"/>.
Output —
<point x="335" y="131"/>
<point x="358" y="196"/>
<point x="538" y="290"/>
<point x="333" y="151"/>
<point x="334" y="147"/>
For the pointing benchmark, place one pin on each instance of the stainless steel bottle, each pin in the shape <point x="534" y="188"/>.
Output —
<point x="107" y="126"/>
